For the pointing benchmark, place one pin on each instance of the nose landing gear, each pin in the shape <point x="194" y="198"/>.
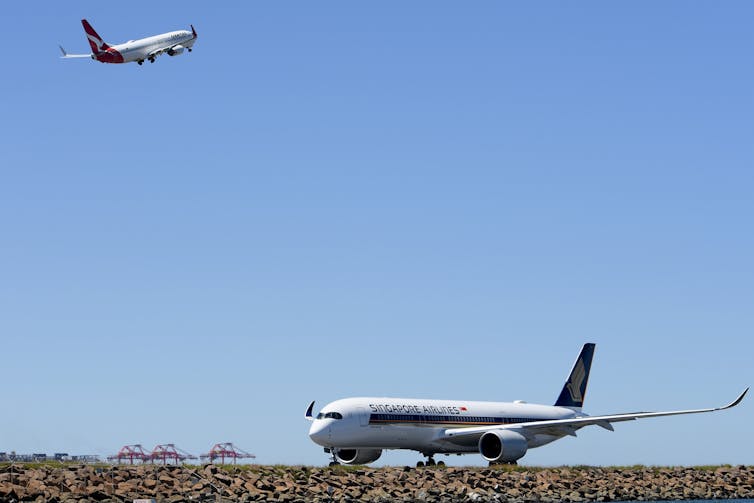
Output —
<point x="333" y="459"/>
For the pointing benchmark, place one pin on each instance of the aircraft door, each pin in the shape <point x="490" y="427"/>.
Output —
<point x="363" y="416"/>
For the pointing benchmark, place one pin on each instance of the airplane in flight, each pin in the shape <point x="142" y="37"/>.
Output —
<point x="172" y="43"/>
<point x="355" y="431"/>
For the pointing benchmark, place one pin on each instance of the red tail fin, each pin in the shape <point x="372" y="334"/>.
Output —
<point x="95" y="41"/>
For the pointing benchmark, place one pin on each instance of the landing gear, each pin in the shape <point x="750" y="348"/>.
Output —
<point x="430" y="462"/>
<point x="140" y="62"/>
<point x="189" y="49"/>
<point x="333" y="459"/>
<point x="502" y="463"/>
<point x="151" y="60"/>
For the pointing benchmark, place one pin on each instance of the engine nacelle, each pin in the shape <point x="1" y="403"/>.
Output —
<point x="357" y="456"/>
<point x="502" y="446"/>
<point x="176" y="50"/>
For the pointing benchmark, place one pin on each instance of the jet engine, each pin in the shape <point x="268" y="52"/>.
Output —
<point x="176" y="50"/>
<point x="357" y="456"/>
<point x="502" y="446"/>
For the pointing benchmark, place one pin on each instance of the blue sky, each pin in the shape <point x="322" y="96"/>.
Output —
<point x="424" y="199"/>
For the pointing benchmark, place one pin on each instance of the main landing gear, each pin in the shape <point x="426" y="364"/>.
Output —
<point x="430" y="462"/>
<point x="140" y="62"/>
<point x="151" y="60"/>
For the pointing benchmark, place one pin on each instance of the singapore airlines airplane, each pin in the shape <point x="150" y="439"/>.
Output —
<point x="172" y="43"/>
<point x="356" y="430"/>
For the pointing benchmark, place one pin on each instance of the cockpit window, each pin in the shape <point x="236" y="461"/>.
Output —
<point x="329" y="415"/>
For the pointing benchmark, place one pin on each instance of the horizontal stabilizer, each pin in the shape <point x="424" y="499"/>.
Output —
<point x="69" y="56"/>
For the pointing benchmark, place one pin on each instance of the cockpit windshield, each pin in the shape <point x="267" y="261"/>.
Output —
<point x="329" y="415"/>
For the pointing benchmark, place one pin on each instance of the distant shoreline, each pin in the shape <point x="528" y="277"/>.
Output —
<point x="75" y="482"/>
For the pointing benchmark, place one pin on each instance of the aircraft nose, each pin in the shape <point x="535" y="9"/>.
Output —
<point x="319" y="433"/>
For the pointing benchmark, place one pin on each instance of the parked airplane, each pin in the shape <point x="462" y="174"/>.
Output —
<point x="356" y="430"/>
<point x="172" y="43"/>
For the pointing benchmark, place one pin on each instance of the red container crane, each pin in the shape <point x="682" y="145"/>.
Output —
<point x="131" y="453"/>
<point x="226" y="450"/>
<point x="169" y="452"/>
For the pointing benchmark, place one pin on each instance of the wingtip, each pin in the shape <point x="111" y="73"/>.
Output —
<point x="737" y="400"/>
<point x="309" y="410"/>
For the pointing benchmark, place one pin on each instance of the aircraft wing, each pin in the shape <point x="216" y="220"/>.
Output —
<point x="569" y="426"/>
<point x="160" y="51"/>
<point x="157" y="52"/>
<point x="70" y="56"/>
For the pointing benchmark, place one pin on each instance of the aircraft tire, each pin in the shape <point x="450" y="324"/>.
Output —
<point x="441" y="463"/>
<point x="420" y="464"/>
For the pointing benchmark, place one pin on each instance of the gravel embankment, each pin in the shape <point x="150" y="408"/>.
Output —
<point x="295" y="483"/>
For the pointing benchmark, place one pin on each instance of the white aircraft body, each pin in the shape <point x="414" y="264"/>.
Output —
<point x="172" y="43"/>
<point x="357" y="430"/>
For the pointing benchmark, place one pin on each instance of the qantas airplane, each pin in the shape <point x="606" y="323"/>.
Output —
<point x="172" y="43"/>
<point x="355" y="431"/>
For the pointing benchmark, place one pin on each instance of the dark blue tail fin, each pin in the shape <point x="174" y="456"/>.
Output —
<point x="574" y="389"/>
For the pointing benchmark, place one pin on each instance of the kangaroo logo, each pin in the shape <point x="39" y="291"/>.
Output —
<point x="577" y="379"/>
<point x="98" y="42"/>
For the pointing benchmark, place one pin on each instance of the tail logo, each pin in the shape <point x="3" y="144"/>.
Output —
<point x="577" y="379"/>
<point x="98" y="42"/>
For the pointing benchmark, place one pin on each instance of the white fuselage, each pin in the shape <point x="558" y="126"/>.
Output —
<point x="139" y="50"/>
<point x="400" y="423"/>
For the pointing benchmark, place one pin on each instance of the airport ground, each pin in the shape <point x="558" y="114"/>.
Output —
<point x="55" y="482"/>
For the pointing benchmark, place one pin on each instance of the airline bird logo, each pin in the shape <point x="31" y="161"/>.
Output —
<point x="574" y="386"/>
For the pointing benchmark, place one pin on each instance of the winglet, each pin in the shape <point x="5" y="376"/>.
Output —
<point x="63" y="51"/>
<point x="736" y="401"/>
<point x="308" y="415"/>
<point x="193" y="31"/>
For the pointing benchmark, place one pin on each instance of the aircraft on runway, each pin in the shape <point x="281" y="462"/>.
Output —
<point x="172" y="43"/>
<point x="355" y="431"/>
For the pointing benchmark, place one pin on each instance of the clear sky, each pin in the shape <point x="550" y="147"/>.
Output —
<point x="419" y="199"/>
